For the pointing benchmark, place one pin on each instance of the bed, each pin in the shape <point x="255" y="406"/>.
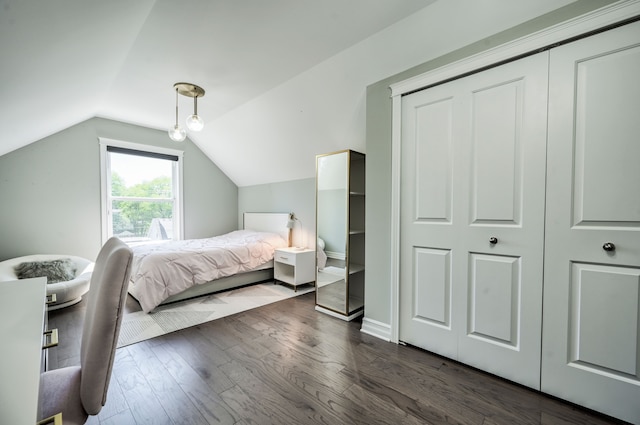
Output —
<point x="177" y="270"/>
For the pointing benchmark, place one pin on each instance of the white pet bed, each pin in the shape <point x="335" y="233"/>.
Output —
<point x="68" y="292"/>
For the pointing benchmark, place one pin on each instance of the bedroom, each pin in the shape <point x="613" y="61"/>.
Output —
<point x="53" y="183"/>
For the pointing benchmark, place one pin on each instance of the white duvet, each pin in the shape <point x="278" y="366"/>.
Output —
<point x="162" y="270"/>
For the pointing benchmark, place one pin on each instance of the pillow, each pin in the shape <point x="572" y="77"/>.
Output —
<point x="54" y="270"/>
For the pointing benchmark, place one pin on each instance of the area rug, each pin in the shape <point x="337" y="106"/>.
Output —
<point x="139" y="326"/>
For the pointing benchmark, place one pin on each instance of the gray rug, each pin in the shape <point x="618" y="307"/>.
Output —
<point x="139" y="326"/>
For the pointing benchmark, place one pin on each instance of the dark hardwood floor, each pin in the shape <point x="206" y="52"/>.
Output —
<point x="285" y="363"/>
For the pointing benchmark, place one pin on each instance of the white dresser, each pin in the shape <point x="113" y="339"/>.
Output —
<point x="22" y="315"/>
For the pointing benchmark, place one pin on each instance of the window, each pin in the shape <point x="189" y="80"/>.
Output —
<point x="141" y="192"/>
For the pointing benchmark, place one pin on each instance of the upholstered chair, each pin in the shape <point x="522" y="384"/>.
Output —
<point x="79" y="391"/>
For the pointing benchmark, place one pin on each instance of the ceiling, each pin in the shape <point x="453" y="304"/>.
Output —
<point x="65" y="61"/>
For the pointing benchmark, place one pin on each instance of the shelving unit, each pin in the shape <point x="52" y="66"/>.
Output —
<point x="340" y="203"/>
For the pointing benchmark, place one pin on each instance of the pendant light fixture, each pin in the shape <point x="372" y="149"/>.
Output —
<point x="194" y="122"/>
<point x="177" y="133"/>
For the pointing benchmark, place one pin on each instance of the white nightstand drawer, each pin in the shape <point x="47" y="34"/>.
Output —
<point x="285" y="258"/>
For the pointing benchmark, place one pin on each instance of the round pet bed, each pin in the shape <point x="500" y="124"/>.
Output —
<point x="68" y="292"/>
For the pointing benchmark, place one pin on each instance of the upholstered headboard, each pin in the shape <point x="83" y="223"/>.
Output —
<point x="267" y="222"/>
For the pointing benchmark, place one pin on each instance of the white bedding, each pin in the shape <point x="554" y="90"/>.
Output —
<point x="162" y="270"/>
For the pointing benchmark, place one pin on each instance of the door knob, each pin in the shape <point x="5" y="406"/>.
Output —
<point x="493" y="240"/>
<point x="609" y="247"/>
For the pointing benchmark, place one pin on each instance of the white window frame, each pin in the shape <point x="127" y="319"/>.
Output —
<point x="105" y="183"/>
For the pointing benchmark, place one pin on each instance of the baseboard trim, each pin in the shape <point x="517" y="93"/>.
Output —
<point x="336" y="255"/>
<point x="377" y="329"/>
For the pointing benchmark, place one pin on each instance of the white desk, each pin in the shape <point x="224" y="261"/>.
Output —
<point x="22" y="309"/>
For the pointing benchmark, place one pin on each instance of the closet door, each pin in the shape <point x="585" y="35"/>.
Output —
<point x="429" y="232"/>
<point x="591" y="338"/>
<point x="472" y="218"/>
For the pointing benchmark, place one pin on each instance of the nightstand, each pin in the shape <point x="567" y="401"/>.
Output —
<point x="294" y="266"/>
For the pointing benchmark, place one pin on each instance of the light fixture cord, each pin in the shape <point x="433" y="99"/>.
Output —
<point x="176" y="107"/>
<point x="195" y="105"/>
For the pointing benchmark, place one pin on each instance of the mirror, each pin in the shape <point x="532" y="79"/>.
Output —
<point x="331" y="220"/>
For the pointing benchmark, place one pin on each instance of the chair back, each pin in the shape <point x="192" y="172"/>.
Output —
<point x="105" y="309"/>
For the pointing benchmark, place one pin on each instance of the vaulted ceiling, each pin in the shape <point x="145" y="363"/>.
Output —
<point x="65" y="61"/>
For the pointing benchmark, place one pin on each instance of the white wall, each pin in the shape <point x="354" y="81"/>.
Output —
<point x="296" y="196"/>
<point x="50" y="191"/>
<point x="323" y="109"/>
<point x="378" y="135"/>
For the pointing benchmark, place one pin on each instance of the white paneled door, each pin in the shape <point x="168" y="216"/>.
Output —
<point x="591" y="338"/>
<point x="472" y="218"/>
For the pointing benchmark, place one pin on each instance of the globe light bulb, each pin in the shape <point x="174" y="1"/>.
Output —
<point x="195" y="123"/>
<point x="177" y="133"/>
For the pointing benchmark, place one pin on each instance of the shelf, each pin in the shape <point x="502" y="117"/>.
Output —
<point x="285" y="272"/>
<point x="356" y="268"/>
